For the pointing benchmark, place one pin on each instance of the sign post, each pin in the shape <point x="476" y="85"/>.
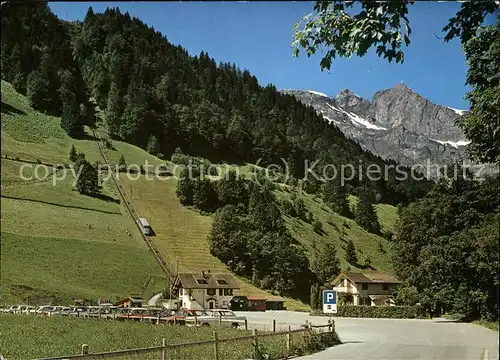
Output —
<point x="329" y="302"/>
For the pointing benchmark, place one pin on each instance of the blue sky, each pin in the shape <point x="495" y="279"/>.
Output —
<point x="257" y="36"/>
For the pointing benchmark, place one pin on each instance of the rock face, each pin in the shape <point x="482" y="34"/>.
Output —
<point x="396" y="124"/>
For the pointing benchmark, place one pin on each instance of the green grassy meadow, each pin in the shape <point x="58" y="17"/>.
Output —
<point x="70" y="268"/>
<point x="339" y="230"/>
<point x="31" y="337"/>
<point x="56" y="242"/>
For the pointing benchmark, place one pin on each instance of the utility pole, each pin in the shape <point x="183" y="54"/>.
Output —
<point x="170" y="281"/>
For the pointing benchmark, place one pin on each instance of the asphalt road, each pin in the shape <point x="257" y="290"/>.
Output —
<point x="391" y="339"/>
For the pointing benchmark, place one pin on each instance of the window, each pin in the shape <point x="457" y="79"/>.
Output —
<point x="220" y="292"/>
<point x="364" y="286"/>
<point x="221" y="282"/>
<point x="201" y="281"/>
<point x="211" y="292"/>
<point x="228" y="292"/>
<point x="385" y="287"/>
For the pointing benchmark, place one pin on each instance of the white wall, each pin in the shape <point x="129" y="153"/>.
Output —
<point x="196" y="299"/>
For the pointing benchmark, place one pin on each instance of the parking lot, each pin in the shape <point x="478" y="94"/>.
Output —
<point x="391" y="339"/>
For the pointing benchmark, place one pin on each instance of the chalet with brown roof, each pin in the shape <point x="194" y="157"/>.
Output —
<point x="130" y="302"/>
<point x="369" y="288"/>
<point x="205" y="290"/>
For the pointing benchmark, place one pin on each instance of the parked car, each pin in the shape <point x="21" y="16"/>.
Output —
<point x="140" y="313"/>
<point x="65" y="311"/>
<point x="44" y="310"/>
<point x="77" y="310"/>
<point x="10" y="309"/>
<point x="173" y="317"/>
<point x="121" y="313"/>
<point x="57" y="310"/>
<point x="198" y="318"/>
<point x="92" y="311"/>
<point x="109" y="312"/>
<point x="20" y="309"/>
<point x="228" y="317"/>
<point x="31" y="309"/>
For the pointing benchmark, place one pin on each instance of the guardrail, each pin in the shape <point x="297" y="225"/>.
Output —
<point x="128" y="205"/>
<point x="166" y="349"/>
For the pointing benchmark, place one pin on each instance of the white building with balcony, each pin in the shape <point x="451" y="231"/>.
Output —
<point x="369" y="288"/>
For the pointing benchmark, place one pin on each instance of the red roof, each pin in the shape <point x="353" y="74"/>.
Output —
<point x="256" y="298"/>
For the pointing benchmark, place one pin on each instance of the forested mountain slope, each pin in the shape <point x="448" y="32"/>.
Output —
<point x="155" y="92"/>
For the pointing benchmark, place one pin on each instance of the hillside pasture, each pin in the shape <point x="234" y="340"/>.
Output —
<point x="71" y="268"/>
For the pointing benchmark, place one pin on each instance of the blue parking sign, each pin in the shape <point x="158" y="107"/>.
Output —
<point x="329" y="297"/>
<point x="329" y="302"/>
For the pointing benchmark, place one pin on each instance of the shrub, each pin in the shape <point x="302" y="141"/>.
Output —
<point x="317" y="227"/>
<point x="309" y="217"/>
<point x="315" y="297"/>
<point x="288" y="208"/>
<point x="350" y="253"/>
<point x="108" y="144"/>
<point x="73" y="155"/>
<point x="292" y="181"/>
<point x="368" y="261"/>
<point x="393" y="312"/>
<point x="315" y="342"/>
<point x="388" y="235"/>
<point x="121" y="163"/>
<point x="345" y="298"/>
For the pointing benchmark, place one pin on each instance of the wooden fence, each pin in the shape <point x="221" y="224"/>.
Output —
<point x="166" y="349"/>
<point x="194" y="320"/>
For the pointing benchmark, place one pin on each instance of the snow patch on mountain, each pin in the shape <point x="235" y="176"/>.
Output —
<point x="455" y="144"/>
<point x="357" y="120"/>
<point x="330" y="120"/>
<point x="317" y="93"/>
<point x="459" y="112"/>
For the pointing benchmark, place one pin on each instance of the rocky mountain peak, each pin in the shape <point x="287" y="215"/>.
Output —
<point x="402" y="86"/>
<point x="396" y="124"/>
<point x="352" y="102"/>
